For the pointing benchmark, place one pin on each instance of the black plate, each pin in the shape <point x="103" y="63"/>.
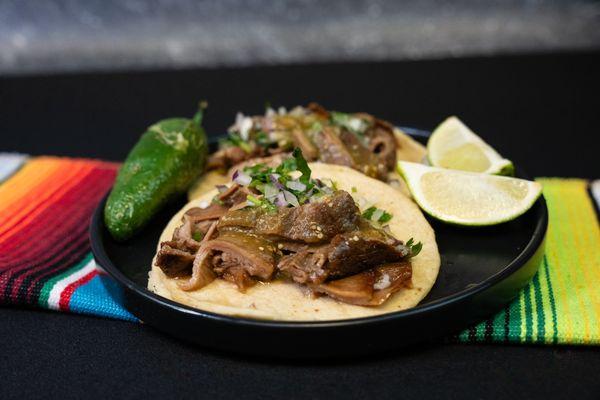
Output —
<point x="482" y="270"/>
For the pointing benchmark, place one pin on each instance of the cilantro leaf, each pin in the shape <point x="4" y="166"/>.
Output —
<point x="233" y="139"/>
<point x="302" y="166"/>
<point x="414" y="248"/>
<point x="197" y="236"/>
<point x="384" y="216"/>
<point x="368" y="213"/>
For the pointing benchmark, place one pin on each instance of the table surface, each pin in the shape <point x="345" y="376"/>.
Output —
<point x="541" y="111"/>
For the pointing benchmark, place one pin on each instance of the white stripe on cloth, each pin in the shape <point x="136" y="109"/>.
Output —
<point x="54" y="297"/>
<point x="595" y="190"/>
<point x="10" y="163"/>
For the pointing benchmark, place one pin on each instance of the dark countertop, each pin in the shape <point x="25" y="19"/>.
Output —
<point x="541" y="111"/>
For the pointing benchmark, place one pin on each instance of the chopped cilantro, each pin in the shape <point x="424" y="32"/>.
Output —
<point x="197" y="236"/>
<point x="316" y="127"/>
<point x="354" y="189"/>
<point x="386" y="217"/>
<point x="233" y="139"/>
<point x="262" y="139"/>
<point x="414" y="248"/>
<point x="353" y="124"/>
<point x="370" y="212"/>
<point x="302" y="166"/>
<point x="271" y="182"/>
<point x="261" y="202"/>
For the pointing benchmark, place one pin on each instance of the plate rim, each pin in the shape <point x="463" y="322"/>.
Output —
<point x="104" y="261"/>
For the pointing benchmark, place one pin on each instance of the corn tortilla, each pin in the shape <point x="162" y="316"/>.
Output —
<point x="286" y="301"/>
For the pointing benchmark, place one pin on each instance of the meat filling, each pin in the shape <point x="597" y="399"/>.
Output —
<point x="365" y="143"/>
<point x="316" y="222"/>
<point x="325" y="245"/>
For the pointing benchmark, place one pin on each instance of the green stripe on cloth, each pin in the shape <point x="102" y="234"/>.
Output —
<point x="47" y="288"/>
<point x="561" y="305"/>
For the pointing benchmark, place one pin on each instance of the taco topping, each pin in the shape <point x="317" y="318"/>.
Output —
<point x="359" y="140"/>
<point x="279" y="223"/>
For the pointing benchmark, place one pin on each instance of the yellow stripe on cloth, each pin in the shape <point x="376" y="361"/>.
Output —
<point x="573" y="252"/>
<point x="562" y="303"/>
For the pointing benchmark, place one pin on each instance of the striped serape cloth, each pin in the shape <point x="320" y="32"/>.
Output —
<point x="45" y="259"/>
<point x="562" y="302"/>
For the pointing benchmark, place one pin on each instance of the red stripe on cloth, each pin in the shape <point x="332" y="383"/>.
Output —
<point x="54" y="240"/>
<point x="59" y="261"/>
<point x="49" y="228"/>
<point x="41" y="197"/>
<point x="51" y="240"/>
<point x="44" y="232"/>
<point x="65" y="296"/>
<point x="39" y="193"/>
<point x="81" y="242"/>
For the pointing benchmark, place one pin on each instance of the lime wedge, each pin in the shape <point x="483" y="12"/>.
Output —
<point x="453" y="145"/>
<point x="468" y="198"/>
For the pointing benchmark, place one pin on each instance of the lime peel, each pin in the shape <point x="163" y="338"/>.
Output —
<point x="468" y="198"/>
<point x="453" y="145"/>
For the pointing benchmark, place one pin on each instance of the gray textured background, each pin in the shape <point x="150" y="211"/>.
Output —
<point x="68" y="35"/>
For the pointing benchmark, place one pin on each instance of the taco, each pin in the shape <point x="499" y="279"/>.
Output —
<point x="297" y="242"/>
<point x="356" y="140"/>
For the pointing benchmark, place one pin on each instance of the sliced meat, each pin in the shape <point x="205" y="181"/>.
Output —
<point x="175" y="257"/>
<point x="369" y="288"/>
<point x="301" y="139"/>
<point x="226" y="157"/>
<point x="306" y="265"/>
<point x="197" y="214"/>
<point x="185" y="231"/>
<point x="318" y="110"/>
<point x="233" y="251"/>
<point x="202" y="274"/>
<point x="363" y="159"/>
<point x="331" y="148"/>
<point x="233" y="195"/>
<point x="382" y="144"/>
<point x="270" y="161"/>
<point x="348" y="254"/>
<point x="316" y="222"/>
<point x="198" y="219"/>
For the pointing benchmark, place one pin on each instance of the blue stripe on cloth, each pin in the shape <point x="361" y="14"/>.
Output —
<point x="94" y="298"/>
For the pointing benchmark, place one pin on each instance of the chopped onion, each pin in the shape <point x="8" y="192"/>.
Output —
<point x="383" y="282"/>
<point x="270" y="112"/>
<point x="377" y="214"/>
<point x="282" y="111"/>
<point x="356" y="124"/>
<point x="275" y="180"/>
<point x="245" y="127"/>
<point x="295" y="174"/>
<point x="203" y="204"/>
<point x="362" y="203"/>
<point x="280" y="200"/>
<point x="268" y="125"/>
<point x="241" y="178"/>
<point x="270" y="191"/>
<point x="297" y="111"/>
<point x="221" y="188"/>
<point x="295" y="185"/>
<point x="290" y="198"/>
<point x="402" y="249"/>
